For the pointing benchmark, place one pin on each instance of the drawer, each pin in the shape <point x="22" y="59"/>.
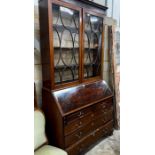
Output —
<point x="78" y="123"/>
<point x="80" y="114"/>
<point x="103" y="130"/>
<point x="98" y="111"/>
<point x="78" y="134"/>
<point x="86" y="116"/>
<point x="87" y="141"/>
<point x="105" y="104"/>
<point x="108" y="115"/>
<point x="85" y="130"/>
<point x="103" y="118"/>
<point x="80" y="146"/>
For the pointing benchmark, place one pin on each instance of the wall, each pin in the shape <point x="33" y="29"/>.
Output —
<point x="102" y="2"/>
<point x="113" y="9"/>
<point x="37" y="55"/>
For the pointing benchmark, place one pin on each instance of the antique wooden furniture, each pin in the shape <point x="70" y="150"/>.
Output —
<point x="77" y="103"/>
<point x="78" y="116"/>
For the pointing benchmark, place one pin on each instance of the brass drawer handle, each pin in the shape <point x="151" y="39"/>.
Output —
<point x="93" y="134"/>
<point x="80" y="123"/>
<point x="104" y="106"/>
<point x="105" y="112"/>
<point x="80" y="114"/>
<point x="104" y="120"/>
<point x="79" y="134"/>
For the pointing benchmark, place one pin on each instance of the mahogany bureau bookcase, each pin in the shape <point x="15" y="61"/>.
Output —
<point x="77" y="102"/>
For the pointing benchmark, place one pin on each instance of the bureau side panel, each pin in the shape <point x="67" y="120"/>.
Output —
<point x="54" y="120"/>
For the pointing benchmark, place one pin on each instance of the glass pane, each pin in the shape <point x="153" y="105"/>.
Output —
<point x="66" y="44"/>
<point x="92" y="45"/>
<point x="57" y="76"/>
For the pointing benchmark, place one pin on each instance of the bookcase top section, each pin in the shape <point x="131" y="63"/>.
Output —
<point x="73" y="98"/>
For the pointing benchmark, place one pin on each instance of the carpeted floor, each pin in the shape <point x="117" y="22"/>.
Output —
<point x="108" y="146"/>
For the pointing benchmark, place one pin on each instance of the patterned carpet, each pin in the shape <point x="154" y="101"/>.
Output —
<point x="108" y="146"/>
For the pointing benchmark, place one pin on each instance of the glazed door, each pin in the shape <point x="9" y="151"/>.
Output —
<point x="92" y="46"/>
<point x="66" y="32"/>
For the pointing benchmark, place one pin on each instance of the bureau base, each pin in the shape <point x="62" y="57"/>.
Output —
<point x="78" y="117"/>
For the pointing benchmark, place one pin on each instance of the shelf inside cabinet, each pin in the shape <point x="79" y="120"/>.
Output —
<point x="70" y="48"/>
<point x="89" y="32"/>
<point x="74" y="66"/>
<point x="90" y="65"/>
<point x="68" y="66"/>
<point x="66" y="48"/>
<point x="60" y="28"/>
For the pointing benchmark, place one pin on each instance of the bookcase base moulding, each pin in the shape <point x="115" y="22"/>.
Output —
<point x="79" y="116"/>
